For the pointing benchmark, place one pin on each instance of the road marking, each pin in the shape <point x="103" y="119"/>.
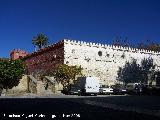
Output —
<point x="123" y="108"/>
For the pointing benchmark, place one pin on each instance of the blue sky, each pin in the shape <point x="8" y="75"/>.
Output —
<point x="87" y="20"/>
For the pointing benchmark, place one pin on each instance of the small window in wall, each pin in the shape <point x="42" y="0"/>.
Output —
<point x="87" y="59"/>
<point x="73" y="51"/>
<point x="100" y="53"/>
<point x="123" y="56"/>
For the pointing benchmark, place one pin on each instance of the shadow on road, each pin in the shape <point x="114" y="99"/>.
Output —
<point x="61" y="107"/>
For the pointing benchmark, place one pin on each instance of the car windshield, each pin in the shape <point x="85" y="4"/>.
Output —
<point x="118" y="86"/>
<point x="104" y="86"/>
<point x="129" y="85"/>
<point x="74" y="88"/>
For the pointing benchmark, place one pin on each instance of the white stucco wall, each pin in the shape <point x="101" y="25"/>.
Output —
<point x="105" y="67"/>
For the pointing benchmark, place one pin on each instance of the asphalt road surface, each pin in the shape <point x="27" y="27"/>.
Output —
<point x="77" y="107"/>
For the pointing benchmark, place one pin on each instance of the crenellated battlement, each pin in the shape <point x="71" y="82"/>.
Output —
<point x="103" y="60"/>
<point x="107" y="46"/>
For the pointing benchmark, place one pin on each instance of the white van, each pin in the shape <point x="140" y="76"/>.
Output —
<point x="88" y="85"/>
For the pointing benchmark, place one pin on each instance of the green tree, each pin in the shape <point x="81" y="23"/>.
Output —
<point x="150" y="46"/>
<point x="10" y="73"/>
<point x="148" y="70"/>
<point x="121" y="41"/>
<point x="65" y="73"/>
<point x="40" y="40"/>
<point x="131" y="72"/>
<point x="153" y="47"/>
<point x="156" y="77"/>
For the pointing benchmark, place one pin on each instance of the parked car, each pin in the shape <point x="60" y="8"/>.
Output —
<point x="66" y="89"/>
<point x="150" y="90"/>
<point x="104" y="89"/>
<point x="155" y="90"/>
<point x="119" y="89"/>
<point x="134" y="88"/>
<point x="74" y="91"/>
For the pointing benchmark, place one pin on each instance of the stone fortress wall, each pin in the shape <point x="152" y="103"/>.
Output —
<point x="103" y="60"/>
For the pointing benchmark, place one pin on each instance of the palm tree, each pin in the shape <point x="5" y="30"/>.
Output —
<point x="41" y="40"/>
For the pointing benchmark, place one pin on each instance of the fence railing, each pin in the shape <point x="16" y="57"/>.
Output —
<point x="32" y="84"/>
<point x="50" y="83"/>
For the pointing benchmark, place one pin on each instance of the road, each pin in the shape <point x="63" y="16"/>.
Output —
<point x="82" y="107"/>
